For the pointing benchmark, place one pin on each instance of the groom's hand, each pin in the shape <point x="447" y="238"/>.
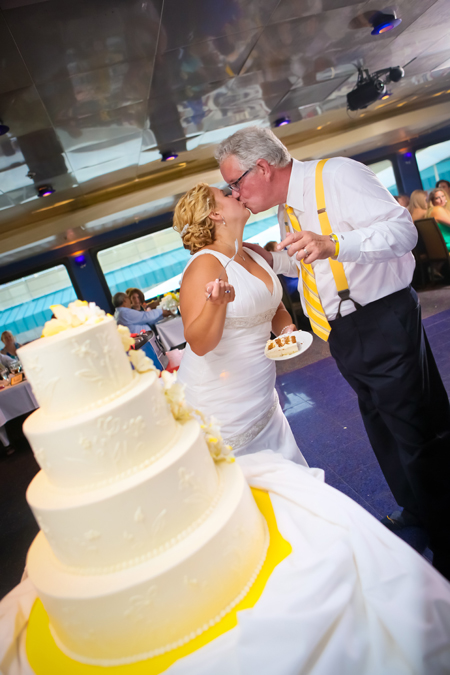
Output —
<point x="262" y="252"/>
<point x="308" y="246"/>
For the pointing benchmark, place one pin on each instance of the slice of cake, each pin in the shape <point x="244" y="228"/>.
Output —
<point x="284" y="345"/>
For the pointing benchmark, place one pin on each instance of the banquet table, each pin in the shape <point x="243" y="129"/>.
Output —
<point x="15" y="401"/>
<point x="171" y="331"/>
<point x="352" y="598"/>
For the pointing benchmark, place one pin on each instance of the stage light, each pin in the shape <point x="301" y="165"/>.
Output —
<point x="370" y="87"/>
<point x="168" y="156"/>
<point x="383" y="22"/>
<point x="281" y="122"/>
<point x="45" y="190"/>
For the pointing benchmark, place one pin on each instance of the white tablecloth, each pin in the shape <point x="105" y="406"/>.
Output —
<point x="15" y="401"/>
<point x="351" y="599"/>
<point x="171" y="331"/>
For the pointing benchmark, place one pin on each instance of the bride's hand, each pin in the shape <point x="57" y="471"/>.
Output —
<point x="221" y="292"/>
<point x="291" y="328"/>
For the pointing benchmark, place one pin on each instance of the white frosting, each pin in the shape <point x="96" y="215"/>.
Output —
<point x="107" y="443"/>
<point x="77" y="369"/>
<point x="145" y="541"/>
<point x="164" y="602"/>
<point x="135" y="518"/>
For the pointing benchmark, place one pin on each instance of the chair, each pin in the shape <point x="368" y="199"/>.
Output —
<point x="431" y="249"/>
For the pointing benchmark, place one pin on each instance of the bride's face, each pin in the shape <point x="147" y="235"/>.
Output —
<point x="231" y="210"/>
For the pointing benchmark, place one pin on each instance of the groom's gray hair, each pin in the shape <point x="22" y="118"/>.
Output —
<point x="253" y="143"/>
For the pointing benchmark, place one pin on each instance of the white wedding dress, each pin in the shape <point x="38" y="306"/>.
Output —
<point x="235" y="382"/>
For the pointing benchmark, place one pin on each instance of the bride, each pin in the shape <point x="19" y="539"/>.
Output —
<point x="227" y="323"/>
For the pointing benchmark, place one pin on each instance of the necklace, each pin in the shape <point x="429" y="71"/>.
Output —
<point x="241" y="256"/>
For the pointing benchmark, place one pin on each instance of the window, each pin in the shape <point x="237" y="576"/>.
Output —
<point x="155" y="262"/>
<point x="25" y="303"/>
<point x="384" y="171"/>
<point x="434" y="164"/>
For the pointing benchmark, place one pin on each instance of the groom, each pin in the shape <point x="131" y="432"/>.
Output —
<point x="350" y="244"/>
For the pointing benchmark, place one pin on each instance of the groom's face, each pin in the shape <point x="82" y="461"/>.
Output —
<point x="254" y="190"/>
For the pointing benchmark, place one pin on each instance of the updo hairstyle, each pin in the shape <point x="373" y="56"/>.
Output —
<point x="193" y="211"/>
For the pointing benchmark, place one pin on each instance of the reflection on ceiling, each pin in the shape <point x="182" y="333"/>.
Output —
<point x="93" y="91"/>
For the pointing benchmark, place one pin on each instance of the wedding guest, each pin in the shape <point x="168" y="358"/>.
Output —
<point x="373" y="324"/>
<point x="137" y="299"/>
<point x="403" y="200"/>
<point x="135" y="320"/>
<point x="418" y="204"/>
<point x="11" y="346"/>
<point x="437" y="201"/>
<point x="226" y="373"/>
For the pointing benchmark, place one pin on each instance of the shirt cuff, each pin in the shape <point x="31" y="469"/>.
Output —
<point x="283" y="264"/>
<point x="349" y="245"/>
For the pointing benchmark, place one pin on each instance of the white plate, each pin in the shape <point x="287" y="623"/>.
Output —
<point x="304" y="340"/>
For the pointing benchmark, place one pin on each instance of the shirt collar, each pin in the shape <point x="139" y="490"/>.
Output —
<point x="295" y="189"/>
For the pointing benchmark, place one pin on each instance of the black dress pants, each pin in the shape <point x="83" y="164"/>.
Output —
<point x="383" y="353"/>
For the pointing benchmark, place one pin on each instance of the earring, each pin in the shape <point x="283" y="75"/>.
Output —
<point x="223" y="221"/>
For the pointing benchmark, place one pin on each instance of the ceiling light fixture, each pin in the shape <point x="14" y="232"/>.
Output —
<point x="383" y="22"/>
<point x="168" y="156"/>
<point x="45" y="190"/>
<point x="370" y="87"/>
<point x="281" y="122"/>
<point x="3" y="128"/>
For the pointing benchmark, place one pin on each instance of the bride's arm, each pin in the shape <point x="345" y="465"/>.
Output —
<point x="204" y="319"/>
<point x="282" y="320"/>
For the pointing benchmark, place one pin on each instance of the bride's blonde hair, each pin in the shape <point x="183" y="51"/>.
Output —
<point x="191" y="217"/>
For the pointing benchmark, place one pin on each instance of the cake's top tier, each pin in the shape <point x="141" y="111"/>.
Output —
<point x="78" y="368"/>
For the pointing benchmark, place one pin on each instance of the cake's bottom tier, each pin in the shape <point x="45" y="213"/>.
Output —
<point x="158" y="605"/>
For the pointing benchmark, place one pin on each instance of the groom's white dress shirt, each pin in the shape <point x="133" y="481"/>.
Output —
<point x="375" y="233"/>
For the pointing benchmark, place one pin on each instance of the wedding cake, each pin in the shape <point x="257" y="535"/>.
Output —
<point x="146" y="540"/>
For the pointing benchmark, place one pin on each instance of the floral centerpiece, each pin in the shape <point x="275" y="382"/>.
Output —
<point x="171" y="302"/>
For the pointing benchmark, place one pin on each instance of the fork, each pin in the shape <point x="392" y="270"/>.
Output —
<point x="236" y="246"/>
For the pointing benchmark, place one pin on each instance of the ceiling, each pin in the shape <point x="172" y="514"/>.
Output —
<point x="94" y="90"/>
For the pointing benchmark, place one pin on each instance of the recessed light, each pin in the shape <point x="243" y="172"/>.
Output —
<point x="168" y="156"/>
<point x="281" y="122"/>
<point x="383" y="22"/>
<point x="45" y="190"/>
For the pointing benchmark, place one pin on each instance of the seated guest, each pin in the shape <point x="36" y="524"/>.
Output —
<point x="134" y="320"/>
<point x="403" y="200"/>
<point x="418" y="204"/>
<point x="445" y="185"/>
<point x="11" y="346"/>
<point x="137" y="299"/>
<point x="437" y="200"/>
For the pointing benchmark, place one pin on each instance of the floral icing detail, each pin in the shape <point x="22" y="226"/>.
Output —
<point x="139" y="603"/>
<point x="125" y="336"/>
<point x="217" y="447"/>
<point x="174" y="393"/>
<point x="140" y="361"/>
<point x="76" y="314"/>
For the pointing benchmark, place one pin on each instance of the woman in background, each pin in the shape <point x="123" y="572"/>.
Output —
<point x="228" y="316"/>
<point x="418" y="204"/>
<point x="437" y="201"/>
<point x="11" y="346"/>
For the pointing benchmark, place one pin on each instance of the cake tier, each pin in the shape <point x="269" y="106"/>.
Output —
<point x="164" y="602"/>
<point x="138" y="517"/>
<point x="77" y="369"/>
<point x="107" y="443"/>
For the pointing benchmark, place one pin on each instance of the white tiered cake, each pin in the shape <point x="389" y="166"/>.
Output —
<point x="145" y="541"/>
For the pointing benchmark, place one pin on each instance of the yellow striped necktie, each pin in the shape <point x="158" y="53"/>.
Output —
<point x="317" y="316"/>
